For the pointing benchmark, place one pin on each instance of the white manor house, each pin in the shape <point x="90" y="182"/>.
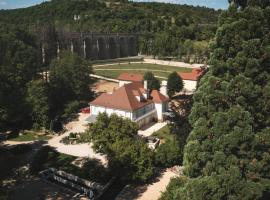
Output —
<point x="132" y="100"/>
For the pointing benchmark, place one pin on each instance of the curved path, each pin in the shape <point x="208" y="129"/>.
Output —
<point x="78" y="150"/>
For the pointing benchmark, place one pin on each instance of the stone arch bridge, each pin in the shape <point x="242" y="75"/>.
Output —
<point x="91" y="46"/>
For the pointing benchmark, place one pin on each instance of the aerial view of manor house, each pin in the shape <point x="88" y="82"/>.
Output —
<point x="134" y="100"/>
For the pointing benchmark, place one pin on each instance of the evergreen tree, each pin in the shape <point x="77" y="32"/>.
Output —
<point x="37" y="98"/>
<point x="227" y="154"/>
<point x="175" y="84"/>
<point x="152" y="82"/>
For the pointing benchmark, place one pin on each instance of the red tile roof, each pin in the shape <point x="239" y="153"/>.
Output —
<point x="193" y="75"/>
<point x="130" y="77"/>
<point x="157" y="97"/>
<point x="125" y="98"/>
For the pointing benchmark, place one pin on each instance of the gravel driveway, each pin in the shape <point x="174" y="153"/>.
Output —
<point x="78" y="150"/>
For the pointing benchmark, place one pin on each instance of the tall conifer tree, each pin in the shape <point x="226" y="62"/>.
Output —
<point x="228" y="151"/>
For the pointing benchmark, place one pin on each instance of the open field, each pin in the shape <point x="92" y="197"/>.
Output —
<point x="161" y="71"/>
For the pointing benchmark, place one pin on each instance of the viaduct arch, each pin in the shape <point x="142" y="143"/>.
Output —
<point x="92" y="46"/>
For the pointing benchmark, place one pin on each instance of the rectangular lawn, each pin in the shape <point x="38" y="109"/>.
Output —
<point x="161" y="71"/>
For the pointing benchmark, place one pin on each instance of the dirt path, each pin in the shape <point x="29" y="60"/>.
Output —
<point x="151" y="191"/>
<point x="78" y="150"/>
<point x="151" y="129"/>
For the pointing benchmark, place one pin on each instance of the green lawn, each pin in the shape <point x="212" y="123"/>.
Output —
<point x="165" y="134"/>
<point x="116" y="70"/>
<point x="30" y="136"/>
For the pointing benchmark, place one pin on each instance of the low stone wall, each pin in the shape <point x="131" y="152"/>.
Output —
<point x="104" y="78"/>
<point x="171" y="63"/>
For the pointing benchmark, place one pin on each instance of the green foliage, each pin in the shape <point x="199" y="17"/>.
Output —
<point x="227" y="154"/>
<point x="69" y="78"/>
<point x="26" y="101"/>
<point x="129" y="158"/>
<point x="70" y="110"/>
<point x="37" y="98"/>
<point x="30" y="136"/>
<point x="169" y="154"/>
<point x="175" y="84"/>
<point x="163" y="27"/>
<point x="174" y="184"/>
<point x="152" y="82"/>
<point x="18" y="64"/>
<point x="69" y="86"/>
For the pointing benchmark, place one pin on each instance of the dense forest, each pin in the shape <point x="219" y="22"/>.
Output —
<point x="178" y="31"/>
<point x="27" y="98"/>
<point x="227" y="152"/>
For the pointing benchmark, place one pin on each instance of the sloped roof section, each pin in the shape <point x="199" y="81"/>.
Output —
<point x="125" y="98"/>
<point x="157" y="97"/>
<point x="193" y="75"/>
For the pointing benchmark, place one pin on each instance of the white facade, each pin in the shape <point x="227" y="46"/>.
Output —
<point x="142" y="116"/>
<point x="163" y="88"/>
<point x="190" y="86"/>
<point x="121" y="83"/>
<point x="95" y="110"/>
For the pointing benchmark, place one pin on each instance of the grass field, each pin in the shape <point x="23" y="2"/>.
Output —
<point x="161" y="71"/>
<point x="30" y="136"/>
<point x="165" y="134"/>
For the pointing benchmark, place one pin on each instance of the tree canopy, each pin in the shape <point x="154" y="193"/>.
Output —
<point x="227" y="154"/>
<point x="26" y="98"/>
<point x="163" y="28"/>
<point x="174" y="84"/>
<point x="128" y="156"/>
<point x="152" y="82"/>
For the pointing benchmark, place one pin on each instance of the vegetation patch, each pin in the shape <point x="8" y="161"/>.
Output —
<point x="30" y="136"/>
<point x="165" y="134"/>
<point x="113" y="71"/>
<point x="72" y="138"/>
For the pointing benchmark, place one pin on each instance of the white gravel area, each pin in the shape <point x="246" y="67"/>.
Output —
<point x="79" y="150"/>
<point x="153" y="128"/>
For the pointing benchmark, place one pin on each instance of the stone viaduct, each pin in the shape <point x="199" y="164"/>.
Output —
<point x="91" y="46"/>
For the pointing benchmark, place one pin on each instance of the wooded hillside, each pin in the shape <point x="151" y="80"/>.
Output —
<point x="165" y="29"/>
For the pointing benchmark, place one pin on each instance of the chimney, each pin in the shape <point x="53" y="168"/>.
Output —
<point x="163" y="88"/>
<point x="145" y="85"/>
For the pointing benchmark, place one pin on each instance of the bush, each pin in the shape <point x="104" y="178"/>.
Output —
<point x="175" y="183"/>
<point x="95" y="171"/>
<point x="70" y="111"/>
<point x="169" y="154"/>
